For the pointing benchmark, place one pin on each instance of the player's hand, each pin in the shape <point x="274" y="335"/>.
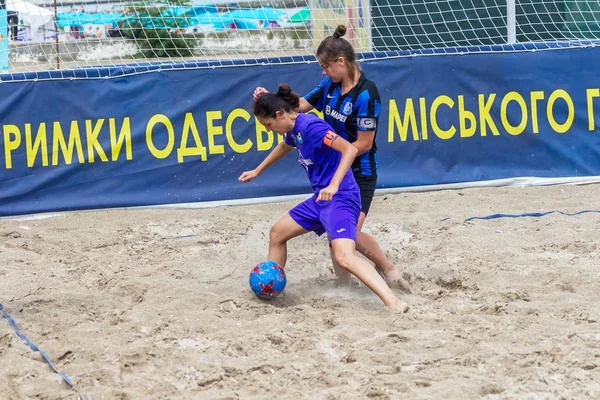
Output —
<point x="326" y="194"/>
<point x="259" y="91"/>
<point x="247" y="176"/>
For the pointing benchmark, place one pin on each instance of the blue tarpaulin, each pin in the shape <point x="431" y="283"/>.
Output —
<point x="219" y="21"/>
<point x="78" y="19"/>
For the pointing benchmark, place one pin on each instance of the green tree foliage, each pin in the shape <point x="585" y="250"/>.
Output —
<point x="157" y="28"/>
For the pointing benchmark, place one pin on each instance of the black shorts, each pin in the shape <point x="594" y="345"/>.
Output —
<point x="367" y="186"/>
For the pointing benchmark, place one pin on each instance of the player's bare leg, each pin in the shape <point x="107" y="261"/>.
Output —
<point x="343" y="250"/>
<point x="368" y="247"/>
<point x="283" y="230"/>
<point x="342" y="276"/>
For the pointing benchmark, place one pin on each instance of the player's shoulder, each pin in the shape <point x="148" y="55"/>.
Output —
<point x="319" y="90"/>
<point x="312" y="122"/>
<point x="311" y="118"/>
<point x="370" y="85"/>
<point x="326" y="82"/>
<point x="368" y="90"/>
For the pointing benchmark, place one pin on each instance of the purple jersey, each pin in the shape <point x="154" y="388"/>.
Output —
<point x="319" y="160"/>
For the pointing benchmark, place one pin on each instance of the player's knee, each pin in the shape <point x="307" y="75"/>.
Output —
<point x="277" y="234"/>
<point x="343" y="259"/>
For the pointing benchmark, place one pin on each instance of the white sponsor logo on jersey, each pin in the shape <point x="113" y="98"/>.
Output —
<point x="335" y="114"/>
<point x="347" y="108"/>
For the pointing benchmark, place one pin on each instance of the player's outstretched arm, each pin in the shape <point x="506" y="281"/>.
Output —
<point x="305" y="106"/>
<point x="275" y="155"/>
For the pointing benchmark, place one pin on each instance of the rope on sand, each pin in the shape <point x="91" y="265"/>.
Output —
<point x="533" y="214"/>
<point x="43" y="353"/>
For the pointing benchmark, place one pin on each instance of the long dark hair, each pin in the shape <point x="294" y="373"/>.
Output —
<point x="268" y="104"/>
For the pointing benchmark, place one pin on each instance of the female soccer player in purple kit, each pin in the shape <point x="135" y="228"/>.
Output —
<point x="351" y="104"/>
<point x="335" y="205"/>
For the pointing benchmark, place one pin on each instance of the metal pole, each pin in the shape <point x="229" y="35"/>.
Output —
<point x="56" y="35"/>
<point x="511" y="22"/>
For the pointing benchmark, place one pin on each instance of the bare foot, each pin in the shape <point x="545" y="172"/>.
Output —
<point x="395" y="280"/>
<point x="401" y="284"/>
<point x="400" y="306"/>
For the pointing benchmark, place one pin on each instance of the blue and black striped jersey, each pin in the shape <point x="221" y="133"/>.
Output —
<point x="357" y="110"/>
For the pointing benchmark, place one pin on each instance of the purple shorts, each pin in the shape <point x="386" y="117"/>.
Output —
<point x="337" y="217"/>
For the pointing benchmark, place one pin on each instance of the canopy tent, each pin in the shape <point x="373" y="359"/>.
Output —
<point x="218" y="21"/>
<point x="301" y="17"/>
<point x="32" y="15"/>
<point x="253" y="18"/>
<point x="79" y="19"/>
<point x="201" y="9"/>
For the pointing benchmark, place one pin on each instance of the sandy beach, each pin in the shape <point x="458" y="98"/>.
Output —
<point x="155" y="303"/>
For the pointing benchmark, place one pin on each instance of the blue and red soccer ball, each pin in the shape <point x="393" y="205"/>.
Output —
<point x="267" y="280"/>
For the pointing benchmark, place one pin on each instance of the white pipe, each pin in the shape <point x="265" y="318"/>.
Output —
<point x="511" y="22"/>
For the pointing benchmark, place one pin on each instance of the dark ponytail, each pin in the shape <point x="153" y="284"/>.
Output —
<point x="284" y="100"/>
<point x="339" y="31"/>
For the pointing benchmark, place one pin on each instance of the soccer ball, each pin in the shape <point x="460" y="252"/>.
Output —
<point x="267" y="280"/>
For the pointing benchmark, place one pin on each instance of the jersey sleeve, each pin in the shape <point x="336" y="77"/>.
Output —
<point x="320" y="133"/>
<point x="368" y="106"/>
<point x="289" y="140"/>
<point x="316" y="98"/>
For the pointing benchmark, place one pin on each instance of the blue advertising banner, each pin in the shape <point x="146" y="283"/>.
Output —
<point x="185" y="136"/>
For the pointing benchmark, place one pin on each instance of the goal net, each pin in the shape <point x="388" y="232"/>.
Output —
<point x="42" y="35"/>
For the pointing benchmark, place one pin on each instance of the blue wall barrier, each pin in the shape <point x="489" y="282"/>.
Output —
<point x="182" y="136"/>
